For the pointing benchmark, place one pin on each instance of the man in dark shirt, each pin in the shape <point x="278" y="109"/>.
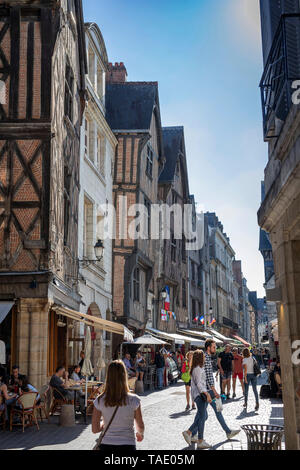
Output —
<point x="59" y="385"/>
<point x="160" y="367"/>
<point x="225" y="363"/>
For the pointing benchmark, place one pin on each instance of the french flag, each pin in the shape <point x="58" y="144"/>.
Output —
<point x="167" y="301"/>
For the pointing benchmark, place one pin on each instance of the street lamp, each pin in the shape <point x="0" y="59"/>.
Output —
<point x="99" y="252"/>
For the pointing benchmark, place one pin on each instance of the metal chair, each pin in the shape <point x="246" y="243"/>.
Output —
<point x="26" y="402"/>
<point x="92" y="398"/>
<point x="2" y="411"/>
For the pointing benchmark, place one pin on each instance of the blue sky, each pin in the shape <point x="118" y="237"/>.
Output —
<point x="206" y="56"/>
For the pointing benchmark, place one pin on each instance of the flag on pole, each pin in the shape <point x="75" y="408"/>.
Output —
<point x="202" y="320"/>
<point x="167" y="301"/>
<point x="213" y="322"/>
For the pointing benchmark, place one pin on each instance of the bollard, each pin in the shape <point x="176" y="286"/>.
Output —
<point x="67" y="416"/>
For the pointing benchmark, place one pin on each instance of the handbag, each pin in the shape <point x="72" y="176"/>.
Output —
<point x="256" y="368"/>
<point x="101" y="437"/>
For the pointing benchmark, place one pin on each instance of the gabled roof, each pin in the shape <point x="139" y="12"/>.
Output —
<point x="173" y="141"/>
<point x="130" y="105"/>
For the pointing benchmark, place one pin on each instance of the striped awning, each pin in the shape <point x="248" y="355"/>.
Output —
<point x="100" y="323"/>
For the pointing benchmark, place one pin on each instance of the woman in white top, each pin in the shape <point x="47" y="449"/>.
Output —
<point x="249" y="377"/>
<point x="120" y="434"/>
<point x="201" y="397"/>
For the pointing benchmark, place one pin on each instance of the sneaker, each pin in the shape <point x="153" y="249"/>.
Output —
<point x="187" y="437"/>
<point x="203" y="445"/>
<point x="228" y="397"/>
<point x="194" y="407"/>
<point x="187" y="408"/>
<point x="233" y="433"/>
<point x="245" y="405"/>
<point x="194" y="439"/>
<point x="257" y="407"/>
<point x="234" y="395"/>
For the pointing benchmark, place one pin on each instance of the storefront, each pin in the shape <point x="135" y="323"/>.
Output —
<point x="177" y="340"/>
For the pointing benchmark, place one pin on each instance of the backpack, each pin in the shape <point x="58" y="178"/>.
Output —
<point x="265" y="392"/>
<point x="185" y="376"/>
<point x="256" y="367"/>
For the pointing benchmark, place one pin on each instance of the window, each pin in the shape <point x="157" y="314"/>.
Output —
<point x="183" y="293"/>
<point x="149" y="164"/>
<point x="136" y="285"/>
<point x="183" y="248"/>
<point x="88" y="231"/>
<point x="69" y="86"/>
<point x="173" y="247"/>
<point x="86" y="136"/>
<point x="100" y="81"/>
<point x="101" y="153"/>
<point x="92" y="64"/>
<point x="67" y="203"/>
<point x="148" y="222"/>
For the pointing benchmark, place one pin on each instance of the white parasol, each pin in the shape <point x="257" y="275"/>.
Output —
<point x="87" y="368"/>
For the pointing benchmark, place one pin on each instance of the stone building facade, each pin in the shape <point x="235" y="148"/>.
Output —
<point x="279" y="214"/>
<point x="44" y="65"/>
<point x="97" y="154"/>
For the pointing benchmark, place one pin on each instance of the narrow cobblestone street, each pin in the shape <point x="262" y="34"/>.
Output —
<point x="165" y="419"/>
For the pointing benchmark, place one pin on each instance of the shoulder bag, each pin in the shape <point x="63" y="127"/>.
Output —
<point x="100" y="439"/>
<point x="185" y="376"/>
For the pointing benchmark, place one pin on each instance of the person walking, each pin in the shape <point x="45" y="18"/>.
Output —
<point x="249" y="377"/>
<point x="225" y="363"/>
<point x="201" y="397"/>
<point x="237" y="371"/>
<point x="210" y="350"/>
<point x="186" y="377"/>
<point x="160" y="367"/>
<point x="119" y="410"/>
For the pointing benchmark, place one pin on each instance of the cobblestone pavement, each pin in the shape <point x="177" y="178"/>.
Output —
<point x="165" y="419"/>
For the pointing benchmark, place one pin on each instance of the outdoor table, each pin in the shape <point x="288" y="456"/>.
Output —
<point x="81" y="387"/>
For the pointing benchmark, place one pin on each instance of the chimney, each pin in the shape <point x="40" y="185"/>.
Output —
<point x="116" y="73"/>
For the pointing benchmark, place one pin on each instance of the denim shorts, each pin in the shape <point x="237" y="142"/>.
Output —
<point x="227" y="375"/>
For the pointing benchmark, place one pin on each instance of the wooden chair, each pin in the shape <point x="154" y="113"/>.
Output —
<point x="2" y="412"/>
<point x="92" y="398"/>
<point x="56" y="403"/>
<point x="26" y="411"/>
<point x="42" y="406"/>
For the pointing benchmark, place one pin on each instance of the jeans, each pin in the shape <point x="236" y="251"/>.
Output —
<point x="251" y="379"/>
<point x="201" y="417"/>
<point x="160" y="377"/>
<point x="219" y="415"/>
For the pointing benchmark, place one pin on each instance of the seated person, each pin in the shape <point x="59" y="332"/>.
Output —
<point x="76" y="375"/>
<point x="14" y="380"/>
<point x="128" y="365"/>
<point x="26" y="387"/>
<point x="60" y="386"/>
<point x="10" y="399"/>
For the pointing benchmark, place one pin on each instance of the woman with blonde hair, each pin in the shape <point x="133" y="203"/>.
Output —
<point x="119" y="410"/>
<point x="201" y="397"/>
<point x="186" y="377"/>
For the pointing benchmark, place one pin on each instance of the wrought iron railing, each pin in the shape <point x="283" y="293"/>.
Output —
<point x="281" y="70"/>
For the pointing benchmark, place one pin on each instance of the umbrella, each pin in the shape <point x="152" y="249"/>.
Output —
<point x="87" y="368"/>
<point x="148" y="339"/>
<point x="100" y="361"/>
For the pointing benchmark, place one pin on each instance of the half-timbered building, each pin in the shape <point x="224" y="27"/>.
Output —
<point x="42" y="73"/>
<point x="133" y="113"/>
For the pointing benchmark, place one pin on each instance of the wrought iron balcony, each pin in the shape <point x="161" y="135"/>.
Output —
<point x="281" y="70"/>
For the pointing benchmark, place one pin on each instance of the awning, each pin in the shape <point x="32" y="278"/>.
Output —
<point x="222" y="337"/>
<point x="203" y="334"/>
<point x="148" y="339"/>
<point x="5" y="308"/>
<point x="178" y="339"/>
<point x="241" y="340"/>
<point x="96" y="322"/>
